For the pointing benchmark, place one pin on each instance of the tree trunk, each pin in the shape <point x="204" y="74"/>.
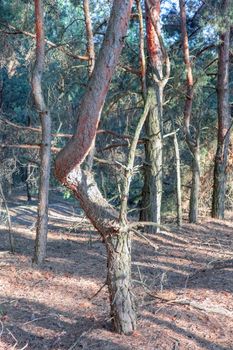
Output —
<point x="220" y="164"/>
<point x="67" y="169"/>
<point x="42" y="218"/>
<point x="91" y="65"/>
<point x="11" y="236"/>
<point x="178" y="181"/>
<point x="192" y="141"/>
<point x="28" y="174"/>
<point x="194" y="196"/>
<point x="123" y="311"/>
<point x="45" y="150"/>
<point x="152" y="189"/>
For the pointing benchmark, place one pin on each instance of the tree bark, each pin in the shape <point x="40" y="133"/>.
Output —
<point x="81" y="182"/>
<point x="91" y="65"/>
<point x="45" y="150"/>
<point x="178" y="181"/>
<point x="152" y="190"/>
<point x="220" y="163"/>
<point x="122" y="304"/>
<point x="192" y="141"/>
<point x="11" y="236"/>
<point x="194" y="197"/>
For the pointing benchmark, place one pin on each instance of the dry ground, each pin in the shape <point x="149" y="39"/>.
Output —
<point x="52" y="307"/>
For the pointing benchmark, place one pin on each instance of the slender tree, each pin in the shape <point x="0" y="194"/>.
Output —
<point x="192" y="140"/>
<point x="156" y="80"/>
<point x="224" y="122"/>
<point x="45" y="150"/>
<point x="68" y="171"/>
<point x="91" y="63"/>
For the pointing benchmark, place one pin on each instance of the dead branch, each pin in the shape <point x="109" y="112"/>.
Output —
<point x="98" y="291"/>
<point x="48" y="42"/>
<point x="28" y="146"/>
<point x="139" y="234"/>
<point x="208" y="308"/>
<point x="30" y="128"/>
<point x="148" y="223"/>
<point x="40" y="318"/>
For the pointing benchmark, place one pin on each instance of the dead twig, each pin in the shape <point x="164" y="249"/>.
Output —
<point x="41" y="318"/>
<point x="12" y="335"/>
<point x="98" y="291"/>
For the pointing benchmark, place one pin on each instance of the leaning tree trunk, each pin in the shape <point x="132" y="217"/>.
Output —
<point x="220" y="163"/>
<point x="81" y="182"/>
<point x="45" y="150"/>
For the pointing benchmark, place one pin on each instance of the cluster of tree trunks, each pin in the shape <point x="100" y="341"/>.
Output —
<point x="81" y="182"/>
<point x="113" y="225"/>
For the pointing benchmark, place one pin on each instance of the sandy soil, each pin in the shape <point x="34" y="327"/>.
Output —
<point x="52" y="307"/>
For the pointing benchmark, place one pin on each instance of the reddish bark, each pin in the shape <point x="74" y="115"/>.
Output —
<point x="67" y="169"/>
<point x="189" y="76"/>
<point x="152" y="34"/>
<point x="92" y="103"/>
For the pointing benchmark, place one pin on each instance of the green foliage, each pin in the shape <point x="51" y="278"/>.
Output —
<point x="65" y="78"/>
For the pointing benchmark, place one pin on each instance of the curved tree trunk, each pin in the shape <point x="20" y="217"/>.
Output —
<point x="220" y="163"/>
<point x="67" y="170"/>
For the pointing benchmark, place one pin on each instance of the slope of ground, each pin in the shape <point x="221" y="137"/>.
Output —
<point x="184" y="294"/>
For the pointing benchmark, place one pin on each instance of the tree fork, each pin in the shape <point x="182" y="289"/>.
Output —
<point x="67" y="170"/>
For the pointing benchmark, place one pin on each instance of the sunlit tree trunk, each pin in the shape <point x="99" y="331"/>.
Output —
<point x="178" y="180"/>
<point x="220" y="163"/>
<point x="81" y="182"/>
<point x="45" y="150"/>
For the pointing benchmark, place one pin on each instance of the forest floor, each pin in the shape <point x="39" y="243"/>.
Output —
<point x="184" y="293"/>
